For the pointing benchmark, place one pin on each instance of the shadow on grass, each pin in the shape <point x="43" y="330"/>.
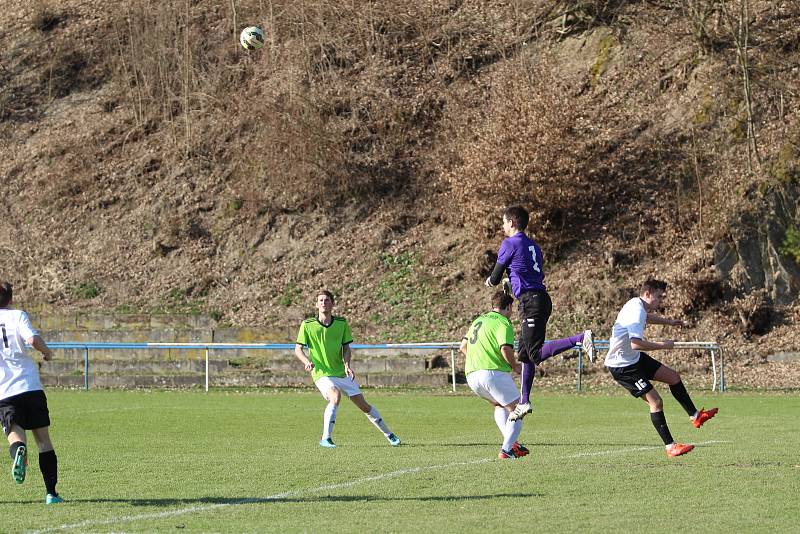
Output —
<point x="530" y="444"/>
<point x="227" y="501"/>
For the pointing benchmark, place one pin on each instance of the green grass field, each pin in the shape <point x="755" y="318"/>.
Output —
<point x="236" y="462"/>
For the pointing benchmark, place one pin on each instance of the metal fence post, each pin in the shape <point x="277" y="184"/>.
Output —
<point x="207" y="369"/>
<point x="453" y="367"/>
<point x="86" y="369"/>
<point x="580" y="368"/>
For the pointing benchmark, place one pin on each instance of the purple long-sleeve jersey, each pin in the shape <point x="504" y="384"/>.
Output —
<point x="523" y="259"/>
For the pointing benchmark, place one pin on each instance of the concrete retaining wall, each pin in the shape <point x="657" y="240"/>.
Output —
<point x="135" y="368"/>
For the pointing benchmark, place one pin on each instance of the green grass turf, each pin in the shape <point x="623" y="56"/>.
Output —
<point x="249" y="461"/>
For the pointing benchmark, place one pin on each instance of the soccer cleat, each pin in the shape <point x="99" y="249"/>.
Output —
<point x="520" y="411"/>
<point x="327" y="442"/>
<point x="588" y="345"/>
<point x="20" y="464"/>
<point x="53" y="499"/>
<point x="393" y="440"/>
<point x="506" y="455"/>
<point x="677" y="449"/>
<point x="519" y="450"/>
<point x="703" y="416"/>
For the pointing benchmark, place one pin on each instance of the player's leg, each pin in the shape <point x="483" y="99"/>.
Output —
<point x="555" y="347"/>
<point x="375" y="418"/>
<point x="636" y="379"/>
<point x="656" y="404"/>
<point x="649" y="368"/>
<point x="48" y="463"/>
<point x="10" y="420"/>
<point x="526" y="384"/>
<point x="534" y="311"/>
<point x="673" y="378"/>
<point x="500" y="387"/>
<point x="351" y="389"/>
<point x="503" y="397"/>
<point x="331" y="394"/>
<point x="18" y="449"/>
<point x="334" y="397"/>
<point x="478" y="382"/>
<point x="660" y="424"/>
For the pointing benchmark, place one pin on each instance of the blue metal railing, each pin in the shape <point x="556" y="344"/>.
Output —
<point x="713" y="348"/>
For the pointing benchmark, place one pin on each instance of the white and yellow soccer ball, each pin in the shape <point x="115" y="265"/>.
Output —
<point x="252" y="38"/>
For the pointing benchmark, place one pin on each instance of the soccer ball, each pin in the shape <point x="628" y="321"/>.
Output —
<point x="252" y="38"/>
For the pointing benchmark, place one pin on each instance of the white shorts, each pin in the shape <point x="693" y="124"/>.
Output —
<point x="346" y="385"/>
<point x="495" y="386"/>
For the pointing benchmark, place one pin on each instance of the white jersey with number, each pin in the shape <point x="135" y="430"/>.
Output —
<point x="630" y="323"/>
<point x="18" y="372"/>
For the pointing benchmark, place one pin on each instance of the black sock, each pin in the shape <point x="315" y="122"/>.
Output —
<point x="13" y="448"/>
<point x="48" y="463"/>
<point x="660" y="422"/>
<point x="681" y="395"/>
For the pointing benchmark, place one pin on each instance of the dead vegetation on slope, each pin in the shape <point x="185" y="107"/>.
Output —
<point x="370" y="146"/>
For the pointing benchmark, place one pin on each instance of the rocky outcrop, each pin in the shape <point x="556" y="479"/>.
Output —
<point x="750" y="257"/>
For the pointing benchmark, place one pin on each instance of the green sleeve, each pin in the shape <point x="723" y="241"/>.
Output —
<point x="347" y="336"/>
<point x="302" y="339"/>
<point x="505" y="336"/>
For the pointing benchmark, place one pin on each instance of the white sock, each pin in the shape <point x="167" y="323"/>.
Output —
<point x="500" y="418"/>
<point x="511" y="434"/>
<point x="376" y="420"/>
<point x="329" y="418"/>
<point x="513" y="428"/>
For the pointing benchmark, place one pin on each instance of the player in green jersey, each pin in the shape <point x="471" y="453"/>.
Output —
<point x="328" y="340"/>
<point x="489" y="348"/>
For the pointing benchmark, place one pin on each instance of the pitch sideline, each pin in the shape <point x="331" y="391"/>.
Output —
<point x="328" y="487"/>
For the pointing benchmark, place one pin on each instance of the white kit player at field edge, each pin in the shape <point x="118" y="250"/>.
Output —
<point x="23" y="404"/>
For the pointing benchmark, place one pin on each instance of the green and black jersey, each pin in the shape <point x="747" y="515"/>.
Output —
<point x="486" y="335"/>
<point x="325" y="345"/>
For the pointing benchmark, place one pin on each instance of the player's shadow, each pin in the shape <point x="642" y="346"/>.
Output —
<point x="265" y="500"/>
<point x="530" y="444"/>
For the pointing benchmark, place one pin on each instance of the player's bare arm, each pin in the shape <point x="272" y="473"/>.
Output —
<point x="508" y="354"/>
<point x="301" y="355"/>
<point x="652" y="318"/>
<point x="346" y="355"/>
<point x="643" y="344"/>
<point x="463" y="348"/>
<point x="38" y="343"/>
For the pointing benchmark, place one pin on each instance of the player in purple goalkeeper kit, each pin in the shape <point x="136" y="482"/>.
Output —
<point x="522" y="257"/>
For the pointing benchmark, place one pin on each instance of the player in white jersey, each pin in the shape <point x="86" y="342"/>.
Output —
<point x="23" y="405"/>
<point x="634" y="369"/>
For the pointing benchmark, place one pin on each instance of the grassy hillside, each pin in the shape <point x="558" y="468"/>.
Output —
<point x="150" y="163"/>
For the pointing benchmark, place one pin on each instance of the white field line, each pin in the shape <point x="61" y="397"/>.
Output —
<point x="328" y="487"/>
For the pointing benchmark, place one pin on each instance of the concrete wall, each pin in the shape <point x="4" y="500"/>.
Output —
<point x="228" y="367"/>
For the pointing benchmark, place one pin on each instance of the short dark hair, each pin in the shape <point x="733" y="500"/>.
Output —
<point x="6" y="292"/>
<point x="501" y="301"/>
<point x="652" y="285"/>
<point x="327" y="294"/>
<point x="518" y="215"/>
